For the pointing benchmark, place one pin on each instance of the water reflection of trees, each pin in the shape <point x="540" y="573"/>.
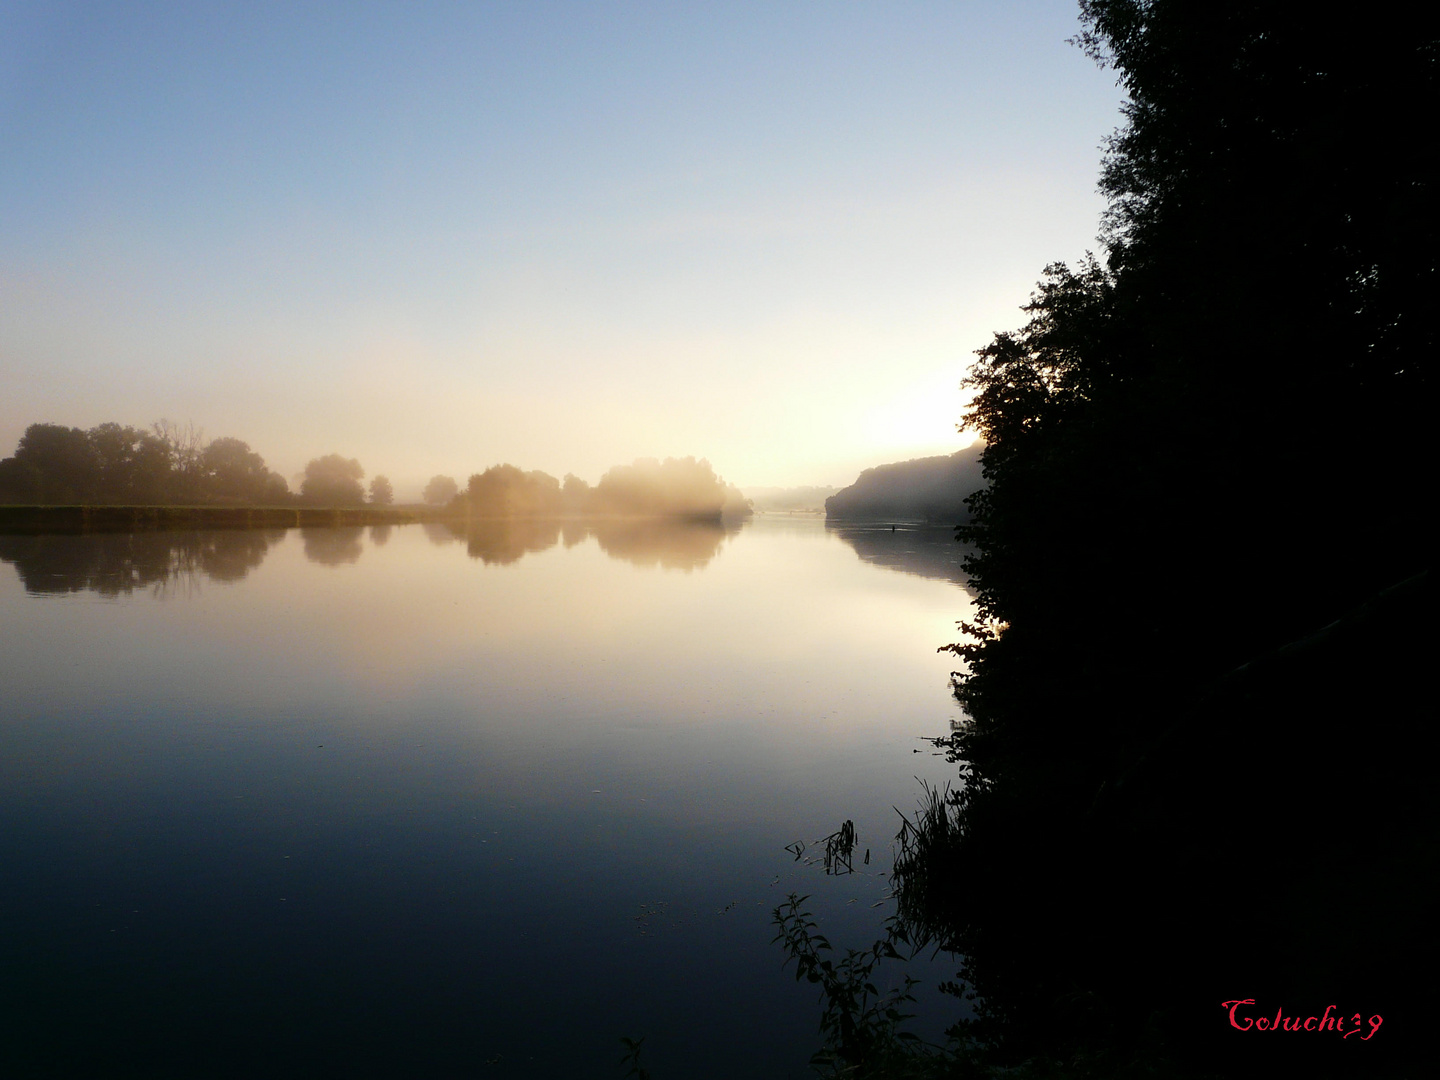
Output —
<point x="924" y="551"/>
<point x="440" y="533"/>
<point x="331" y="546"/>
<point x="502" y="541"/>
<point x="669" y="543"/>
<point x="115" y="564"/>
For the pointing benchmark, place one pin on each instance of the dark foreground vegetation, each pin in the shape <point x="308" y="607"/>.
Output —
<point x="1195" y="767"/>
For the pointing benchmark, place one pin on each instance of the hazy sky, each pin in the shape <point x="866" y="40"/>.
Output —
<point x="438" y="236"/>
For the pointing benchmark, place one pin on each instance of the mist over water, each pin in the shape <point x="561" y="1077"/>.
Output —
<point x="434" y="802"/>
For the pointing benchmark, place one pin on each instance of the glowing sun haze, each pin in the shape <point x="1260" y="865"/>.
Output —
<point x="437" y="237"/>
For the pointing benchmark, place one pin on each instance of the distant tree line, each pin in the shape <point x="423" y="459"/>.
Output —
<point x="171" y="464"/>
<point x="168" y="464"/>
<point x="675" y="487"/>
<point x="334" y="480"/>
<point x="115" y="464"/>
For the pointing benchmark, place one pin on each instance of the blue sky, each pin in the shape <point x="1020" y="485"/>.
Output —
<point x="440" y="236"/>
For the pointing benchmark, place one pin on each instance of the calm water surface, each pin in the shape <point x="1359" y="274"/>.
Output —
<point x="394" y="802"/>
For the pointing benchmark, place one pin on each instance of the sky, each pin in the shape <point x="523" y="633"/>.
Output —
<point x="440" y="236"/>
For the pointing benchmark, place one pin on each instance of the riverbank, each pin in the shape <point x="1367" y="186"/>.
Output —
<point x="93" y="519"/>
<point x="86" y="519"/>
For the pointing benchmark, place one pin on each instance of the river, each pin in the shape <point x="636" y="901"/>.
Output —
<point x="406" y="802"/>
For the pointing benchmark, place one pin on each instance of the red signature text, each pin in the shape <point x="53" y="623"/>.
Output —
<point x="1330" y="1020"/>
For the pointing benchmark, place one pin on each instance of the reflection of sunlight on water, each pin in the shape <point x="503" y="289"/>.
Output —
<point x="608" y="637"/>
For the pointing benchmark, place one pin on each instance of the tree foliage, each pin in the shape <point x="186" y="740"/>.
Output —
<point x="230" y="469"/>
<point x="440" y="490"/>
<point x="861" y="1025"/>
<point x="381" y="493"/>
<point x="1201" y="449"/>
<point x="676" y="486"/>
<point x="333" y="480"/>
<point x="1264" y="297"/>
<point x="508" y="491"/>
<point x="115" y="464"/>
<point x="673" y="488"/>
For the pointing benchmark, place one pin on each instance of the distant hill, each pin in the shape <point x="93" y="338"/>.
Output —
<point x="925" y="489"/>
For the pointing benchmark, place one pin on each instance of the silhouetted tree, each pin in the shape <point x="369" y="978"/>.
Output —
<point x="113" y="463"/>
<point x="333" y="480"/>
<point x="230" y="470"/>
<point x="135" y="467"/>
<point x="381" y="493"/>
<point x="1166" y="541"/>
<point x="185" y="444"/>
<point x="52" y="464"/>
<point x="440" y="490"/>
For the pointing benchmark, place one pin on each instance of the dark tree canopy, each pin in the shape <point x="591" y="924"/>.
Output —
<point x="134" y="466"/>
<point x="232" y="470"/>
<point x="1200" y="558"/>
<point x="52" y="464"/>
<point x="1268" y="291"/>
<point x="115" y="464"/>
